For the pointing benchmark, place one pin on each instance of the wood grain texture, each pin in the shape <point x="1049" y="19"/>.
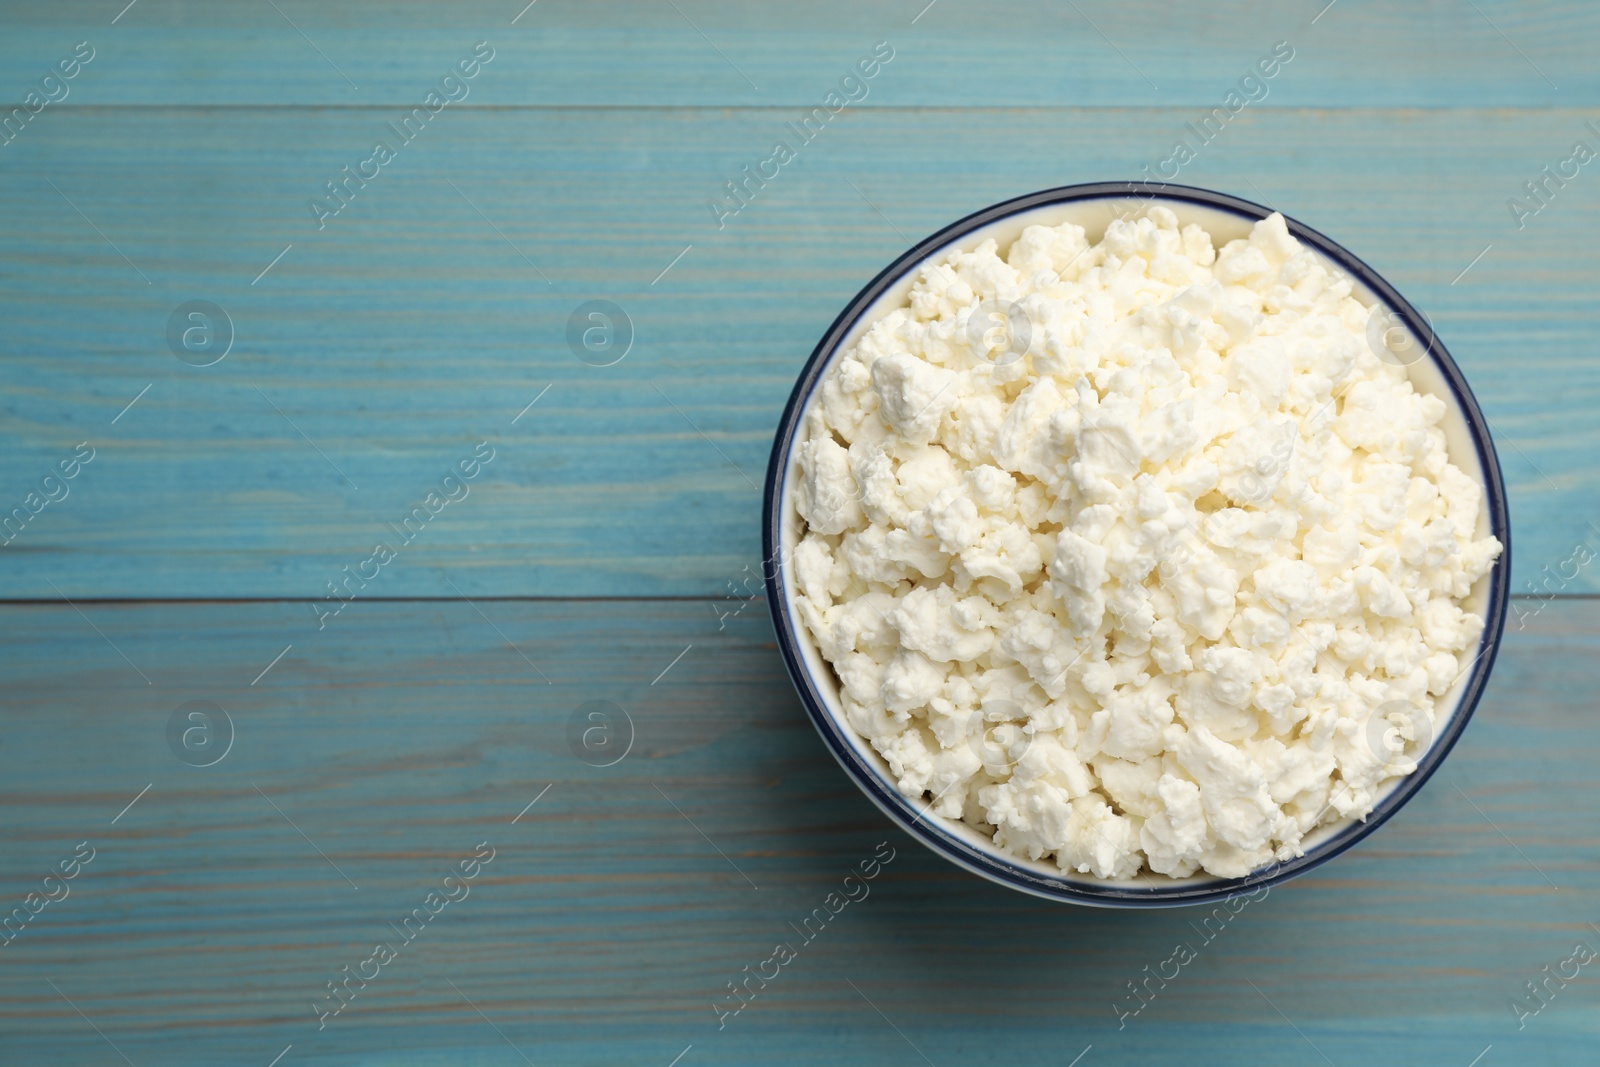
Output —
<point x="374" y="354"/>
<point x="416" y="324"/>
<point x="405" y="734"/>
<point x="1451" y="53"/>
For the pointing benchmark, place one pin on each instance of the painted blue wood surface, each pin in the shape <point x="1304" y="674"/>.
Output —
<point x="560" y="53"/>
<point x="378" y="351"/>
<point x="409" y="328"/>
<point x="404" y="734"/>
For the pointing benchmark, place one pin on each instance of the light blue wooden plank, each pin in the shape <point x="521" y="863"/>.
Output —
<point x="409" y="329"/>
<point x="1358" y="53"/>
<point x="405" y="734"/>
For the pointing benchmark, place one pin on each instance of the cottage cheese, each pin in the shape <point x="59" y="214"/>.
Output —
<point x="1121" y="574"/>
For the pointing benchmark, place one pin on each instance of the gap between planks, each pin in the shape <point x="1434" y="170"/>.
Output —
<point x="805" y="104"/>
<point x="646" y="598"/>
<point x="688" y="598"/>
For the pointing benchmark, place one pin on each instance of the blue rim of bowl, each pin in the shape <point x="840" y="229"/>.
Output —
<point x="993" y="865"/>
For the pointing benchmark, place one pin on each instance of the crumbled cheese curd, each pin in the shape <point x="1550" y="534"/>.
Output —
<point x="1131" y="598"/>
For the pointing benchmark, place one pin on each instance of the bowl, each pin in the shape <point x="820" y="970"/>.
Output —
<point x="1430" y="370"/>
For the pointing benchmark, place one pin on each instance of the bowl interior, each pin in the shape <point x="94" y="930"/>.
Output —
<point x="962" y="843"/>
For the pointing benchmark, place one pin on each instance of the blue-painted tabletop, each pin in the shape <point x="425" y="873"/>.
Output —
<point x="275" y="272"/>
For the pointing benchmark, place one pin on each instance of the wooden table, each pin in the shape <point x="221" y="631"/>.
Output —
<point x="601" y="554"/>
